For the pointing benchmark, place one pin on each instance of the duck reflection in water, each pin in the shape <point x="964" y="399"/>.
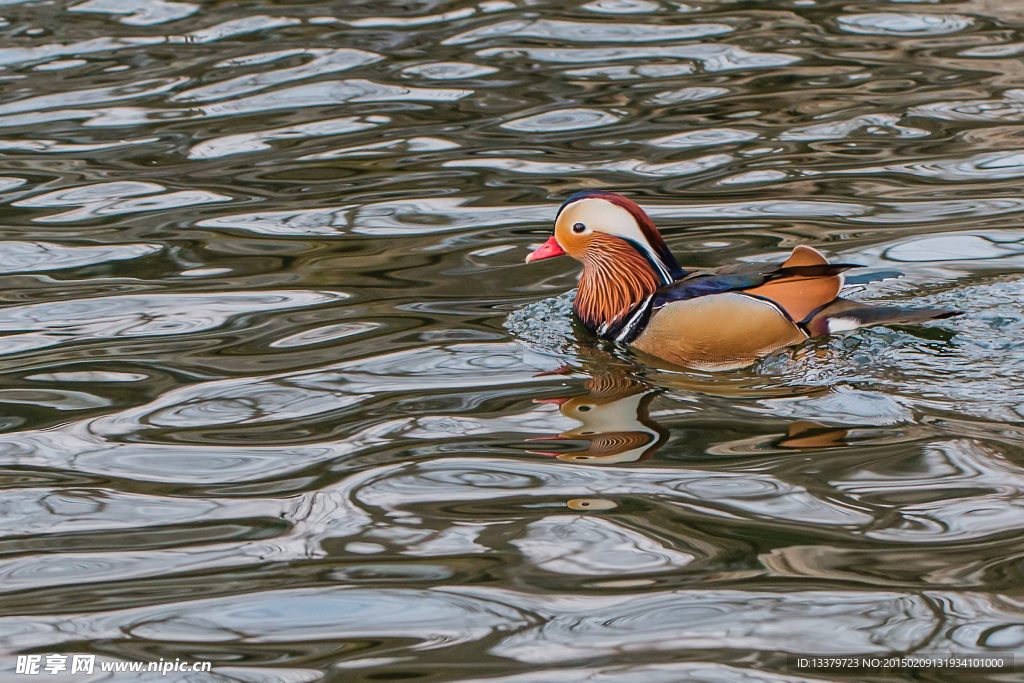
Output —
<point x="616" y="426"/>
<point x="614" y="420"/>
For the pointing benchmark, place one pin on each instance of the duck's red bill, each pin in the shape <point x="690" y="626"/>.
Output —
<point x="549" y="249"/>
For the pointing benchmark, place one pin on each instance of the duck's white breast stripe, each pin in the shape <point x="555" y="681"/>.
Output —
<point x="633" y="321"/>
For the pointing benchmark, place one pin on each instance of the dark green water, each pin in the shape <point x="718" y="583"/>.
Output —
<point x="270" y="357"/>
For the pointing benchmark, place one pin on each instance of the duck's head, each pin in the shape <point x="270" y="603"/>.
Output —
<point x="593" y="222"/>
<point x="624" y="256"/>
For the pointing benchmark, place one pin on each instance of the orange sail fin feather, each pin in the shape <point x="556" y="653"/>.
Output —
<point x="800" y="296"/>
<point x="633" y="291"/>
<point x="805" y="256"/>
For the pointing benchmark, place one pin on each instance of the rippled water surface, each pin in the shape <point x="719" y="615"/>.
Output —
<point x="278" y="391"/>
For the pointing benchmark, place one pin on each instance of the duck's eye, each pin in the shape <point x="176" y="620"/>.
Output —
<point x="584" y="409"/>
<point x="578" y="227"/>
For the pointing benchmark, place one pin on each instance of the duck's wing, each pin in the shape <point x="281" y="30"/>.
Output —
<point x="801" y="285"/>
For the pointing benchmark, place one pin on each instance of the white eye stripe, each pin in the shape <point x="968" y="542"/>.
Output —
<point x="613" y="220"/>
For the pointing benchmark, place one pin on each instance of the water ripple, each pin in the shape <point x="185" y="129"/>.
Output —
<point x="327" y="333"/>
<point x="622" y="6"/>
<point x="330" y="92"/>
<point x="110" y="199"/>
<point x="238" y="27"/>
<point x="874" y="123"/>
<point x="275" y="372"/>
<point x="305" y="614"/>
<point x="57" y="147"/>
<point x="989" y="166"/>
<point x="994" y="51"/>
<point x="688" y="95"/>
<point x="1010" y="108"/>
<point x="409" y="22"/>
<point x="725" y="495"/>
<point x="634" y="166"/>
<point x="583" y="32"/>
<point x="584" y="546"/>
<point x="562" y="119"/>
<point x="398" y="218"/>
<point x="19" y="55"/>
<point x="138" y="315"/>
<point x="93" y="96"/>
<point x="703" y="138"/>
<point x="904" y="24"/>
<point x="713" y="57"/>
<point x="741" y="620"/>
<point x="325" y="61"/>
<point x="135" y="13"/>
<point x="27" y="257"/>
<point x="636" y="72"/>
<point x="647" y="673"/>
<point x="448" y="71"/>
<point x="243" y="143"/>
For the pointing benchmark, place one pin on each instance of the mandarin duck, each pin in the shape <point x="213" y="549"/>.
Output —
<point x="614" y="421"/>
<point x="633" y="291"/>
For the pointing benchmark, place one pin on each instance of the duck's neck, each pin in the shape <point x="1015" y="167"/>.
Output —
<point x="616" y="280"/>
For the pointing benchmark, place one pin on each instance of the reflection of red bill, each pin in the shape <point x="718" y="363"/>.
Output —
<point x="560" y="370"/>
<point x="553" y="455"/>
<point x="549" y="249"/>
<point x="552" y="401"/>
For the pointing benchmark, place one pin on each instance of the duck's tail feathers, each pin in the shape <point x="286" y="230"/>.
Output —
<point x="842" y="315"/>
